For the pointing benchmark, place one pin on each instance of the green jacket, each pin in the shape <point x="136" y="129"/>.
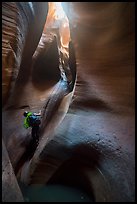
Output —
<point x="26" y="120"/>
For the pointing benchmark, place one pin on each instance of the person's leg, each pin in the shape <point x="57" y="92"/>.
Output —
<point x="33" y="133"/>
<point x="37" y="133"/>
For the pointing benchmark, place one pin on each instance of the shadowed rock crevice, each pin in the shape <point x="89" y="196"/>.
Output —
<point x="45" y="68"/>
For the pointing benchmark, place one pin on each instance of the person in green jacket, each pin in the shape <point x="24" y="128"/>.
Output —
<point x="33" y="120"/>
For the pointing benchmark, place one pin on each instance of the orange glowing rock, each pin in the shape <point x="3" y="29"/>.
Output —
<point x="57" y="18"/>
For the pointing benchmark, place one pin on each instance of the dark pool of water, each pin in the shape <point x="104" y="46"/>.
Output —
<point x="53" y="193"/>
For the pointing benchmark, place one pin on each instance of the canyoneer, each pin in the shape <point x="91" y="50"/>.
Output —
<point x="33" y="120"/>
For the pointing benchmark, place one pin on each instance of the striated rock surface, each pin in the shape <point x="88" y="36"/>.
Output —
<point x="11" y="46"/>
<point x="19" y="24"/>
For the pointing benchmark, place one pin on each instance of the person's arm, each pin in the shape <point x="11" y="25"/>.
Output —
<point x="38" y="114"/>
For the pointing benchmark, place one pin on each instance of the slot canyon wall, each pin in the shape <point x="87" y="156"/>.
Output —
<point x="93" y="144"/>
